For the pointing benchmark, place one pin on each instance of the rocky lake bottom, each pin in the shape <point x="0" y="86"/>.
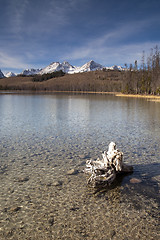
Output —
<point x="44" y="195"/>
<point x="45" y="141"/>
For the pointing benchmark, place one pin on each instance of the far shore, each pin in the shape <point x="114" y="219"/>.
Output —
<point x="153" y="98"/>
<point x="101" y="82"/>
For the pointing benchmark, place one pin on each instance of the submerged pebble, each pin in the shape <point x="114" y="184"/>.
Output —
<point x="156" y="178"/>
<point x="82" y="163"/>
<point x="51" y="221"/>
<point x="14" y="209"/>
<point x="112" y="233"/>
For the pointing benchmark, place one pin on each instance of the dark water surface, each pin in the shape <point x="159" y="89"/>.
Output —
<point x="43" y="136"/>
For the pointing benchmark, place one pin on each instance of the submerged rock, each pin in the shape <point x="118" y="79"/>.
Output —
<point x="22" y="179"/>
<point x="72" y="172"/>
<point x="126" y="168"/>
<point x="83" y="156"/>
<point x="57" y="183"/>
<point x="135" y="180"/>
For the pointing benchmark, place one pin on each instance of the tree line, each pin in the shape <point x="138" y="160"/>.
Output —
<point x="143" y="78"/>
<point x="47" y="76"/>
<point x="146" y="78"/>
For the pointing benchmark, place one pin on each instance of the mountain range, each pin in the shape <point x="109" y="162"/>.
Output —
<point x="65" y="67"/>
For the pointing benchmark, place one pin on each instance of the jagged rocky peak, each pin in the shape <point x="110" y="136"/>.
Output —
<point x="1" y="74"/>
<point x="94" y="65"/>
<point x="66" y="63"/>
<point x="31" y="71"/>
<point x="54" y="64"/>
<point x="67" y="67"/>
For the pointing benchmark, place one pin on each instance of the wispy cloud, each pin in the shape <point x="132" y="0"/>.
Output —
<point x="40" y="17"/>
<point x="37" y="32"/>
<point x="115" y="46"/>
<point x="126" y="53"/>
<point x="58" y="15"/>
<point x="7" y="61"/>
<point x="36" y="17"/>
<point x="16" y="11"/>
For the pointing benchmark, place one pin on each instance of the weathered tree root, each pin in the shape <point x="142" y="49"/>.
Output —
<point x="103" y="172"/>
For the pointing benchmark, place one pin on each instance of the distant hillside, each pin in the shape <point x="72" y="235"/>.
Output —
<point x="91" y="76"/>
<point x="97" y="81"/>
<point x="131" y="81"/>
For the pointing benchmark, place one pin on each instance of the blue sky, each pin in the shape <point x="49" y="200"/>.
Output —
<point x="34" y="33"/>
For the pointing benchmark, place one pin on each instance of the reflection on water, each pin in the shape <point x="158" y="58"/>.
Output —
<point x="42" y="137"/>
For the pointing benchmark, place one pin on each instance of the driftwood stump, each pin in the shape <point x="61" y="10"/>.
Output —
<point x="104" y="171"/>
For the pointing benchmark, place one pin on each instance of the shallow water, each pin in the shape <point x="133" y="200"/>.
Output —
<point x="43" y="136"/>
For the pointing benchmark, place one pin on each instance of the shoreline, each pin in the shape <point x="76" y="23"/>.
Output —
<point x="52" y="91"/>
<point x="154" y="98"/>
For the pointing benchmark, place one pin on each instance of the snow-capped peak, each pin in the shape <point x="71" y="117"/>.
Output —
<point x="56" y="66"/>
<point x="10" y="74"/>
<point x="115" y="67"/>
<point x="66" y="67"/>
<point x="90" y="66"/>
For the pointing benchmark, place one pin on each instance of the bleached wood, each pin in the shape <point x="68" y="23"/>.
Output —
<point x="104" y="171"/>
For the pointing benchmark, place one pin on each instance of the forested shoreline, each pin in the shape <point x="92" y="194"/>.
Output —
<point x="146" y="79"/>
<point x="132" y="80"/>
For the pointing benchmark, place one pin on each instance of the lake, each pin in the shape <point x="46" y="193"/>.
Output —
<point x="43" y="136"/>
